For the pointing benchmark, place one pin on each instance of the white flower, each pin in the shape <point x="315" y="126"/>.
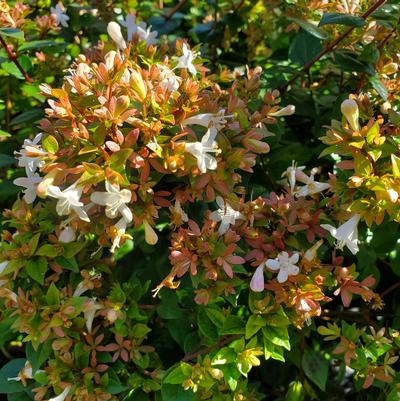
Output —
<point x="201" y="150"/>
<point x="311" y="187"/>
<point x="59" y="14"/>
<point x="67" y="235"/>
<point x="346" y="234"/>
<point x="121" y="229"/>
<point x="214" y="122"/>
<point x="68" y="200"/>
<point x="168" y="80"/>
<point x="286" y="111"/>
<point x="186" y="60"/>
<point x="285" y="264"/>
<point x="349" y="109"/>
<point x="226" y="215"/>
<point x="177" y="209"/>
<point x="114" y="30"/>
<point x="257" y="281"/>
<point x="130" y="25"/>
<point x="144" y="33"/>
<point x="89" y="312"/>
<point x="62" y="396"/>
<point x="25" y="373"/>
<point x="115" y="201"/>
<point x="30" y="184"/>
<point x="30" y="155"/>
<point x="290" y="173"/>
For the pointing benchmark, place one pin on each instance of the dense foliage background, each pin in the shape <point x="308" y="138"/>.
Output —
<point x="316" y="53"/>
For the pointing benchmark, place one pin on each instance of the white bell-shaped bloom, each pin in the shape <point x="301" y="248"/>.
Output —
<point x="59" y="14"/>
<point x="290" y="173"/>
<point x="62" y="396"/>
<point x="186" y="60"/>
<point x="67" y="235"/>
<point x="201" y="150"/>
<point x="285" y="265"/>
<point x="115" y="201"/>
<point x="168" y="80"/>
<point x="145" y="33"/>
<point x="121" y="229"/>
<point x="68" y="200"/>
<point x="114" y="30"/>
<point x="30" y="155"/>
<point x="226" y="215"/>
<point x="30" y="184"/>
<point x="346" y="234"/>
<point x="312" y="187"/>
<point x="257" y="281"/>
<point x="130" y="24"/>
<point x="349" y="109"/>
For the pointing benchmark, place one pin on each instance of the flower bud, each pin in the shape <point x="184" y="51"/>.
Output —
<point x="286" y="111"/>
<point x="114" y="30"/>
<point x="349" y="109"/>
<point x="150" y="235"/>
<point x="67" y="235"/>
<point x="390" y="68"/>
<point x="121" y="105"/>
<point x="385" y="107"/>
<point x="138" y="84"/>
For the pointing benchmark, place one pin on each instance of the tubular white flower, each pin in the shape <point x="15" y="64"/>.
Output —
<point x="285" y="265"/>
<point x="68" y="200"/>
<point x="115" y="201"/>
<point x="186" y="60"/>
<point x="130" y="25"/>
<point x="346" y="234"/>
<point x="62" y="396"/>
<point x="290" y="173"/>
<point x="30" y="155"/>
<point x="286" y="111"/>
<point x="89" y="311"/>
<point x="178" y="210"/>
<point x="214" y="122"/>
<point x="146" y="34"/>
<point x="311" y="187"/>
<point x="168" y="80"/>
<point x="257" y="281"/>
<point x="59" y="14"/>
<point x="121" y="229"/>
<point x="201" y="150"/>
<point x="349" y="109"/>
<point x="114" y="30"/>
<point x="67" y="235"/>
<point x="30" y="184"/>
<point x="25" y="373"/>
<point x="226" y="215"/>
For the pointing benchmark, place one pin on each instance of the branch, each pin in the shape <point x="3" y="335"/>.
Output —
<point x="175" y="9"/>
<point x="13" y="57"/>
<point x="331" y="46"/>
<point x="220" y="343"/>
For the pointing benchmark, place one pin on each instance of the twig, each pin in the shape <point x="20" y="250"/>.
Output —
<point x="330" y="46"/>
<point x="390" y="289"/>
<point x="388" y="36"/>
<point x="13" y="57"/>
<point x="175" y="9"/>
<point x="221" y="343"/>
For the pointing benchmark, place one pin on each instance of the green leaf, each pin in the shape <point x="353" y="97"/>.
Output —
<point x="37" y="268"/>
<point x="341" y="19"/>
<point x="53" y="295"/>
<point x="6" y="160"/>
<point x="175" y="392"/>
<point x="206" y="326"/>
<point x="348" y="61"/>
<point x="4" y="134"/>
<point x="118" y="159"/>
<point x="9" y="370"/>
<point x="179" y="374"/>
<point x="379" y="87"/>
<point x="13" y="33"/>
<point x="69" y="264"/>
<point x="39" y="356"/>
<point x="304" y="48"/>
<point x="48" y="250"/>
<point x="315" y="367"/>
<point x="278" y="336"/>
<point x="50" y="144"/>
<point x="233" y="325"/>
<point x="310" y="28"/>
<point x="216" y="316"/>
<point x="254" y="324"/>
<point x="39" y="44"/>
<point x="224" y="356"/>
<point x="29" y="116"/>
<point x="395" y="165"/>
